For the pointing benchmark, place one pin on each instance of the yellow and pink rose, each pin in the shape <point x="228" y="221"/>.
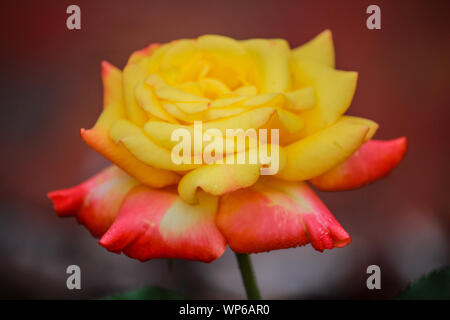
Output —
<point x="147" y="206"/>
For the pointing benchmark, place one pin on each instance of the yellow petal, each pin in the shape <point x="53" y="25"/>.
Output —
<point x="133" y="74"/>
<point x="334" y="93"/>
<point x="112" y="85"/>
<point x="150" y="103"/>
<point x="272" y="63"/>
<point x="320" y="49"/>
<point x="143" y="148"/>
<point x="113" y="103"/>
<point x="300" y="99"/>
<point x="217" y="179"/>
<point x="161" y="132"/>
<point x="323" y="150"/>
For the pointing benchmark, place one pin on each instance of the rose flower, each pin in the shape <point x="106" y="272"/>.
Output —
<point x="147" y="206"/>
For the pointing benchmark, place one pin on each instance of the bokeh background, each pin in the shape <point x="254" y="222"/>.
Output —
<point x="50" y="87"/>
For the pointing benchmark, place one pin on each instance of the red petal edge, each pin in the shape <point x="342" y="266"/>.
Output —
<point x="374" y="160"/>
<point x="95" y="202"/>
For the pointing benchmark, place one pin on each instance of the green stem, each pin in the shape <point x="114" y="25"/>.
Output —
<point x="248" y="276"/>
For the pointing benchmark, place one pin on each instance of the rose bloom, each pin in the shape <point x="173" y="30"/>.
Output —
<point x="147" y="206"/>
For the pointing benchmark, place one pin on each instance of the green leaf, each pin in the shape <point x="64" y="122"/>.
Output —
<point x="435" y="285"/>
<point x="147" y="293"/>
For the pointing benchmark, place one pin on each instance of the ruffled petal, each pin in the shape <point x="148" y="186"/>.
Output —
<point x="373" y="161"/>
<point x="274" y="214"/>
<point x="334" y="92"/>
<point x="159" y="224"/>
<point x="320" y="152"/>
<point x="95" y="202"/>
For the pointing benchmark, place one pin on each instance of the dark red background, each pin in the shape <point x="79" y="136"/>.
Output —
<point x="50" y="88"/>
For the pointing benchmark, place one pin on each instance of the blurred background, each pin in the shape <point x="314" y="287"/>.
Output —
<point x="50" y="87"/>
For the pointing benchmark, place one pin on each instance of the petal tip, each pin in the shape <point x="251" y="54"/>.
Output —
<point x="66" y="202"/>
<point x="327" y="33"/>
<point x="106" y="68"/>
